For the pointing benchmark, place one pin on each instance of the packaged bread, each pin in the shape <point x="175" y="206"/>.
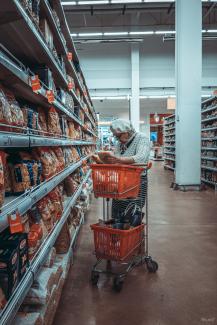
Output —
<point x="5" y="110"/>
<point x="42" y="121"/>
<point x="53" y="122"/>
<point x="2" y="182"/>
<point x="16" y="112"/>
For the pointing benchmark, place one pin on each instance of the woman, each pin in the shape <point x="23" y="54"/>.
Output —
<point x="132" y="148"/>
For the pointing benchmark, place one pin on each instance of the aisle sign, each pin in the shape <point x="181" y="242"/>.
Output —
<point x="35" y="83"/>
<point x="50" y="96"/>
<point x="15" y="222"/>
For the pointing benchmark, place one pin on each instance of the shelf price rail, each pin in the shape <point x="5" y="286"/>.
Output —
<point x="10" y="310"/>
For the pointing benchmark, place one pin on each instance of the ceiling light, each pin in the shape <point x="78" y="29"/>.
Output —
<point x="90" y="34"/>
<point x="142" y="33"/>
<point x="101" y="2"/>
<point x="116" y="97"/>
<point x="125" y="1"/>
<point x="68" y="3"/>
<point x="115" y="33"/>
<point x="165" y="32"/>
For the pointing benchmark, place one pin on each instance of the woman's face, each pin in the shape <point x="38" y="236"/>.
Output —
<point x="123" y="137"/>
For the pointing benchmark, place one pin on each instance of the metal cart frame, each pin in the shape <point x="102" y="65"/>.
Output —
<point x="142" y="256"/>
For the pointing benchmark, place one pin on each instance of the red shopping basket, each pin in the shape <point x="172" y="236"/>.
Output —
<point x="114" y="244"/>
<point x="116" y="181"/>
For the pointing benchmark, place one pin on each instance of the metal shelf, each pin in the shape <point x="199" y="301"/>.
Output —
<point x="9" y="312"/>
<point x="24" y="202"/>
<point x="209" y="168"/>
<point x="208" y="139"/>
<point x="169" y="153"/>
<point x="209" y="158"/>
<point x="209" y="148"/>
<point x="209" y="182"/>
<point x="169" y="167"/>
<point x="209" y="109"/>
<point x="172" y="159"/>
<point x="169" y="147"/>
<point x="209" y="128"/>
<point x="209" y="119"/>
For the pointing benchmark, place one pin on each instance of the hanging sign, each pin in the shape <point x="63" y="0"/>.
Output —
<point x="35" y="83"/>
<point x="50" y="96"/>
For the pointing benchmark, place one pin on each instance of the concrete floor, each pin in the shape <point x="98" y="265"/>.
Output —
<point x="183" y="240"/>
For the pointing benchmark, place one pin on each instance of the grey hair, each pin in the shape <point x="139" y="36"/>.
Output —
<point x="121" y="125"/>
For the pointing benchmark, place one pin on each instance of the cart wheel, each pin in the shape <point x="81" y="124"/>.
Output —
<point x="94" y="278"/>
<point x="152" y="266"/>
<point x="117" y="284"/>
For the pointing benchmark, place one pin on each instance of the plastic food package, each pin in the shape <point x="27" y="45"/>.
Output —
<point x="2" y="181"/>
<point x="63" y="241"/>
<point x="60" y="157"/>
<point x="69" y="185"/>
<point x="5" y="110"/>
<point x="3" y="300"/>
<point x="53" y="122"/>
<point x="16" y="112"/>
<point x="51" y="258"/>
<point x="42" y="121"/>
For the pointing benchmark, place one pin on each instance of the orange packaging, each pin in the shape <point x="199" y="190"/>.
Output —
<point x="38" y="229"/>
<point x="33" y="243"/>
<point x="35" y="83"/>
<point x="15" y="222"/>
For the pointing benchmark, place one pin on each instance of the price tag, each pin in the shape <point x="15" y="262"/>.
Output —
<point x="50" y="96"/>
<point x="15" y="222"/>
<point x="35" y="83"/>
<point x="69" y="56"/>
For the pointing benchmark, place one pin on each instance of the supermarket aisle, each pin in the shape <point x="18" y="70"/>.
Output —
<point x="182" y="239"/>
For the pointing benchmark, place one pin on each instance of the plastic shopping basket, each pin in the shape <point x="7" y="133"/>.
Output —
<point x="116" y="181"/>
<point x="114" y="244"/>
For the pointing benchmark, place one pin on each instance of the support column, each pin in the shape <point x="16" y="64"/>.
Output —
<point x="188" y="91"/>
<point x="134" y="103"/>
<point x="145" y="128"/>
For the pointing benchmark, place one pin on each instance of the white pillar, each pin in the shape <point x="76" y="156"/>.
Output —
<point x="134" y="103"/>
<point x="145" y="127"/>
<point x="188" y="91"/>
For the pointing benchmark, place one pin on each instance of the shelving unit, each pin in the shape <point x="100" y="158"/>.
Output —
<point x="209" y="142"/>
<point x="169" y="143"/>
<point x="21" y="35"/>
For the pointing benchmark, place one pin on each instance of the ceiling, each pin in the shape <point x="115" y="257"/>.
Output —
<point x="130" y="17"/>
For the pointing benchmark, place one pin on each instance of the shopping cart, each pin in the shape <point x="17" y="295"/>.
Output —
<point x="128" y="248"/>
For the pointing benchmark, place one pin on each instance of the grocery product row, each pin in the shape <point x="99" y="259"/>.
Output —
<point x="209" y="142"/>
<point x="169" y="142"/>
<point x="53" y="221"/>
<point x="40" y="23"/>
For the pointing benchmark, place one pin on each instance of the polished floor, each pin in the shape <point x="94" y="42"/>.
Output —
<point x="183" y="240"/>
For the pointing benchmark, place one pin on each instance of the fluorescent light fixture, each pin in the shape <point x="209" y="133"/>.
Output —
<point x="212" y="31"/>
<point x="116" y="97"/>
<point x="101" y="2"/>
<point x="97" y="98"/>
<point x="142" y="33"/>
<point x="74" y="35"/>
<point x="68" y="3"/>
<point x="115" y="33"/>
<point x="125" y="1"/>
<point x="90" y="34"/>
<point x="165" y="32"/>
<point x="159" y="0"/>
